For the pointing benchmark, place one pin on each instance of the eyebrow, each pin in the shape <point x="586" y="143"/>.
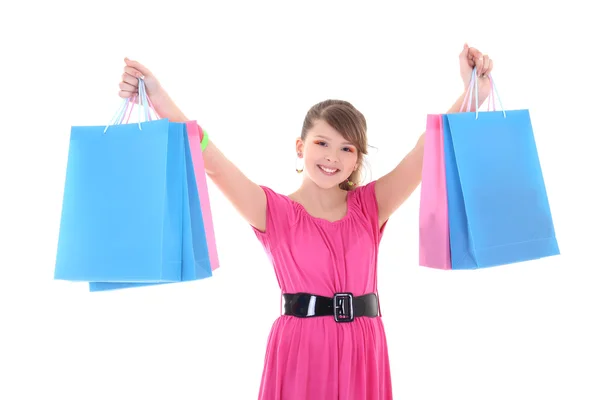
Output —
<point x="327" y="138"/>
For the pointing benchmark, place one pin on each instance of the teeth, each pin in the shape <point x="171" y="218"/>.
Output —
<point x="328" y="170"/>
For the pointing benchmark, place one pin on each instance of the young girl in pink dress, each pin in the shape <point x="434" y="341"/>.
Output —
<point x="323" y="241"/>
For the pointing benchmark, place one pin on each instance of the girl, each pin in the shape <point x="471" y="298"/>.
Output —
<point x="323" y="241"/>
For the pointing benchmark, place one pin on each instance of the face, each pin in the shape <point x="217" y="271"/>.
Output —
<point x="329" y="159"/>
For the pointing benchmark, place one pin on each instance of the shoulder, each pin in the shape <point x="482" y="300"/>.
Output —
<point x="276" y="200"/>
<point x="281" y="211"/>
<point x="364" y="195"/>
<point x="364" y="200"/>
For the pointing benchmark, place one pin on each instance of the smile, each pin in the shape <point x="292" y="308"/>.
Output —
<point x="328" y="171"/>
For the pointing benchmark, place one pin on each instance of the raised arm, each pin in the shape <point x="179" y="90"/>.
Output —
<point x="392" y="189"/>
<point x="247" y="197"/>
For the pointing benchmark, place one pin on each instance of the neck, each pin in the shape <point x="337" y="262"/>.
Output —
<point x="324" y="199"/>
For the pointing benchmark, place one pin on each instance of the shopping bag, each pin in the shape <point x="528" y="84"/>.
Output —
<point x="196" y="263"/>
<point x="498" y="208"/>
<point x="434" y="241"/>
<point x="194" y="138"/>
<point x="122" y="209"/>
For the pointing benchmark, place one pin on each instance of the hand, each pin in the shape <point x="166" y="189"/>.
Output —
<point x="129" y="83"/>
<point x="469" y="58"/>
<point x="128" y="89"/>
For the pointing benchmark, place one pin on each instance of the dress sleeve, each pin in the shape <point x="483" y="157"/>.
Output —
<point x="281" y="216"/>
<point x="367" y="202"/>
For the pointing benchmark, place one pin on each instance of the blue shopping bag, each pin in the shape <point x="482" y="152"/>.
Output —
<point x="195" y="263"/>
<point x="498" y="208"/>
<point x="122" y="213"/>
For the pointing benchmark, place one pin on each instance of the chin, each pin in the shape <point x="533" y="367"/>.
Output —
<point x="327" y="185"/>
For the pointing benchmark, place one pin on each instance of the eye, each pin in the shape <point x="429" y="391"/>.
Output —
<point x="320" y="143"/>
<point x="349" y="149"/>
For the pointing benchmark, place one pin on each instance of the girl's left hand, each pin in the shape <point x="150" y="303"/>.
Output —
<point x="470" y="58"/>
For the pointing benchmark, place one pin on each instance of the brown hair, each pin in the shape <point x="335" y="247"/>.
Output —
<point x="349" y="122"/>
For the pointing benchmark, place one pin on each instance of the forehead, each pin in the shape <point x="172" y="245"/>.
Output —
<point x="323" y="130"/>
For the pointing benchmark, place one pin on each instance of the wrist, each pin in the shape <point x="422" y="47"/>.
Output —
<point x="203" y="140"/>
<point x="165" y="107"/>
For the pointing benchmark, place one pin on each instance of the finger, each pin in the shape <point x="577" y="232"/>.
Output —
<point x="138" y="66"/>
<point x="464" y="55"/>
<point x="126" y="94"/>
<point x="490" y="67"/>
<point x="128" y="78"/>
<point x="133" y="72"/>
<point x="474" y="53"/>
<point x="477" y="58"/>
<point x="479" y="64"/>
<point x="485" y="66"/>
<point x="127" y="87"/>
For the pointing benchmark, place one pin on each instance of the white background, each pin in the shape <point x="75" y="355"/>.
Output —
<point x="249" y="72"/>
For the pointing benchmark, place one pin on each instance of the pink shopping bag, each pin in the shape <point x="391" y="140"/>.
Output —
<point x="434" y="236"/>
<point x="194" y="136"/>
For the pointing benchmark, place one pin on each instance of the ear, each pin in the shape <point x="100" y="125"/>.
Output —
<point x="299" y="147"/>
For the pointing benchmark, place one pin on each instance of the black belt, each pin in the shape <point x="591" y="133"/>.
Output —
<point x="343" y="306"/>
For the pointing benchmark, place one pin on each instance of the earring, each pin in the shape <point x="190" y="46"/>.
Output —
<point x="350" y="183"/>
<point x="299" y="170"/>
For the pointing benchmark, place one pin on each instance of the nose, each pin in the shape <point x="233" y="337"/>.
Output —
<point x="331" y="156"/>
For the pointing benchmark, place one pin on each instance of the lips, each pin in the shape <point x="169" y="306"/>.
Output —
<point x="327" y="170"/>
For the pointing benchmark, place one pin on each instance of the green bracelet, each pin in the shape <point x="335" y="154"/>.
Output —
<point x="204" y="142"/>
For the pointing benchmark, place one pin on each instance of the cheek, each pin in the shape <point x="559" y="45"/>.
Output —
<point x="314" y="153"/>
<point x="311" y="159"/>
<point x="309" y="155"/>
<point x="350" y="160"/>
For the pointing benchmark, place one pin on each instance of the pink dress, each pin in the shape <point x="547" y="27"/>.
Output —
<point x="317" y="358"/>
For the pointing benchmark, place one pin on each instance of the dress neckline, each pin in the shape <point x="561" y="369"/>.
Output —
<point x="323" y="220"/>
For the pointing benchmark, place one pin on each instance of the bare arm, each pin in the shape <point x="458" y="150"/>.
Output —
<point x="247" y="197"/>
<point x="392" y="189"/>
